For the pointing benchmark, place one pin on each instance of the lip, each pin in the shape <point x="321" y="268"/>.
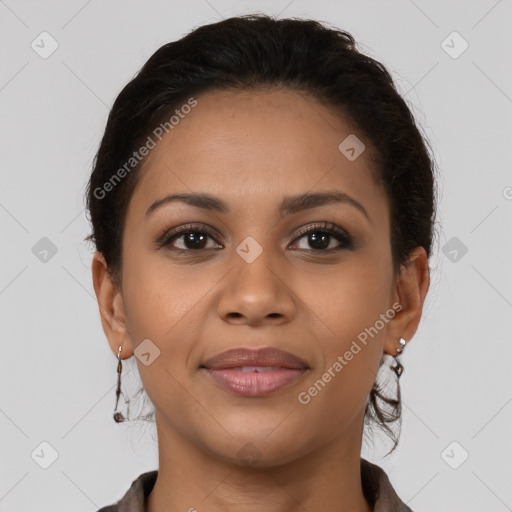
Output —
<point x="226" y="369"/>
<point x="266" y="356"/>
<point x="254" y="384"/>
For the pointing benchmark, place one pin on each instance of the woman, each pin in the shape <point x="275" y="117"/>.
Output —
<point x="262" y="205"/>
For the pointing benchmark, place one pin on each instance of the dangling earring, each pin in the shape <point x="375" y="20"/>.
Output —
<point x="398" y="368"/>
<point x="118" y="416"/>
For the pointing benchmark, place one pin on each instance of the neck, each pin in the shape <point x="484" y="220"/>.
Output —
<point x="194" y="479"/>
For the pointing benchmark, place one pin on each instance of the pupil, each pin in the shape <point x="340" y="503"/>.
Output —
<point x="196" y="240"/>
<point x="191" y="237"/>
<point x="323" y="238"/>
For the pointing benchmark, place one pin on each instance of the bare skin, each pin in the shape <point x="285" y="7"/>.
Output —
<point x="251" y="150"/>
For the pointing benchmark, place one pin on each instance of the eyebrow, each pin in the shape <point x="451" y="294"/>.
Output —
<point x="289" y="205"/>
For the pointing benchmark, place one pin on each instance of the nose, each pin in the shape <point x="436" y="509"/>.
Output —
<point x="256" y="293"/>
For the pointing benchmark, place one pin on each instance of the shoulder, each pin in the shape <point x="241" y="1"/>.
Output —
<point x="378" y="490"/>
<point x="134" y="500"/>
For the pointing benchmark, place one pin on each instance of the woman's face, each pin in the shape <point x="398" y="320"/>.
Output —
<point x="244" y="275"/>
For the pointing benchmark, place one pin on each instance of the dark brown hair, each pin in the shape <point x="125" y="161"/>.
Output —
<point x="253" y="51"/>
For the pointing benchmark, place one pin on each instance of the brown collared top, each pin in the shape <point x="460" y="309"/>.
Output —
<point x="377" y="490"/>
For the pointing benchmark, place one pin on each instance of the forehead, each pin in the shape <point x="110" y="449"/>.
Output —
<point x="254" y="147"/>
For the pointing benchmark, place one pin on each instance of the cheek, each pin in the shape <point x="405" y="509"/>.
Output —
<point x="351" y="354"/>
<point x="159" y="306"/>
<point x="167" y="306"/>
<point x="347" y="299"/>
<point x="159" y="296"/>
<point x="354" y="314"/>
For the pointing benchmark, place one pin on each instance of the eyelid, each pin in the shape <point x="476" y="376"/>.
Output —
<point x="331" y="229"/>
<point x="323" y="226"/>
<point x="168" y="233"/>
<point x="344" y="238"/>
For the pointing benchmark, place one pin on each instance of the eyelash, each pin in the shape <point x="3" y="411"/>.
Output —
<point x="324" y="227"/>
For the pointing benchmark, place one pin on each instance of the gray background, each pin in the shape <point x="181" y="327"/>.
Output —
<point x="57" y="372"/>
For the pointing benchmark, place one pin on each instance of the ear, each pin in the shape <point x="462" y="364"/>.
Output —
<point x="111" y="306"/>
<point x="410" y="291"/>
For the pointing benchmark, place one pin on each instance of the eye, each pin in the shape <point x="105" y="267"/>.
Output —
<point x="320" y="237"/>
<point x="193" y="238"/>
